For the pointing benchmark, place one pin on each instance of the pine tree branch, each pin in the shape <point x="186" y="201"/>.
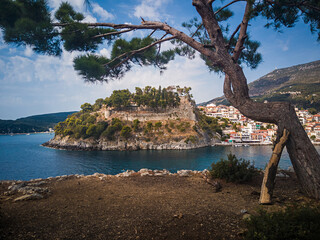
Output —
<point x="233" y="34"/>
<point x="113" y="33"/>
<point x="131" y="53"/>
<point x="227" y="5"/>
<point x="243" y="33"/>
<point x="219" y="10"/>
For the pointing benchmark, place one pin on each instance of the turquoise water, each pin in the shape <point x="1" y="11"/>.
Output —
<point x="22" y="158"/>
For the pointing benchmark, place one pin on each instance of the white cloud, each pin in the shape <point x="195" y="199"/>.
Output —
<point x="28" y="51"/>
<point x="18" y="69"/>
<point x="77" y="4"/>
<point x="103" y="14"/>
<point x="89" y="19"/>
<point x="80" y="6"/>
<point x="150" y="9"/>
<point x="105" y="52"/>
<point x="182" y="71"/>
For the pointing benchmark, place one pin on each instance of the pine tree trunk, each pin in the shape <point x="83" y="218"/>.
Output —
<point x="271" y="170"/>
<point x="304" y="157"/>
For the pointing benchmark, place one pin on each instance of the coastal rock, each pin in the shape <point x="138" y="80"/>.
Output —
<point x="35" y="184"/>
<point x="145" y="174"/>
<point x="15" y="187"/>
<point x="127" y="173"/>
<point x="184" y="173"/>
<point x="33" y="196"/>
<point x="31" y="190"/>
<point x="205" y="172"/>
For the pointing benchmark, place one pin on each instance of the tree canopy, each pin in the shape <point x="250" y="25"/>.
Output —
<point x="30" y="22"/>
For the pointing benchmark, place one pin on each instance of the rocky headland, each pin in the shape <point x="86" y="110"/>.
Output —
<point x="135" y="127"/>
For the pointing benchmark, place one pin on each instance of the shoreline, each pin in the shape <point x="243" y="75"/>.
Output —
<point x="128" y="173"/>
<point x="131" y="173"/>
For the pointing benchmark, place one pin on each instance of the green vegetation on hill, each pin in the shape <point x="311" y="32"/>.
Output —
<point x="148" y="96"/>
<point x="91" y="123"/>
<point x="37" y="123"/>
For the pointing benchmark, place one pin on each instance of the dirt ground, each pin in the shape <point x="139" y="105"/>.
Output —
<point x="136" y="207"/>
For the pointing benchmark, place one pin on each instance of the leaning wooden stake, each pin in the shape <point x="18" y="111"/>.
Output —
<point x="271" y="170"/>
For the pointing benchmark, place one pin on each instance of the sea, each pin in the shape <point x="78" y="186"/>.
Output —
<point x="23" y="158"/>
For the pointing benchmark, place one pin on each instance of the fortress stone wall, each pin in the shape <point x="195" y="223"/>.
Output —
<point x="185" y="110"/>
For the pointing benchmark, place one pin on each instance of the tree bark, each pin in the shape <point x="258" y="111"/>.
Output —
<point x="271" y="170"/>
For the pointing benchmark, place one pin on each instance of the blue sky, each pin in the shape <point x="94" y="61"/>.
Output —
<point x="36" y="84"/>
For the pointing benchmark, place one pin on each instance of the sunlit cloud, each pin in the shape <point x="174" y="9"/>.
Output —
<point x="103" y="14"/>
<point x="151" y="10"/>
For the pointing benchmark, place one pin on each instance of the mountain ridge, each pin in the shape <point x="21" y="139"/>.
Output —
<point x="299" y="84"/>
<point x="33" y="123"/>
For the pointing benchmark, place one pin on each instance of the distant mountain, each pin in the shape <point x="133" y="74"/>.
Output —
<point x="36" y="123"/>
<point x="298" y="84"/>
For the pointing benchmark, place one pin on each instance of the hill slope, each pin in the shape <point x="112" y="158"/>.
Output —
<point x="298" y="84"/>
<point x="36" y="123"/>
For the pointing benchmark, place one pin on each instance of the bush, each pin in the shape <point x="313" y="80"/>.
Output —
<point x="295" y="222"/>
<point x="101" y="126"/>
<point x="158" y="125"/>
<point x="91" y="119"/>
<point x="126" y="132"/>
<point x="167" y="127"/>
<point x="135" y="125"/>
<point x="109" y="132"/>
<point x="149" y="126"/>
<point x="192" y="139"/>
<point x="67" y="132"/>
<point x="80" y="131"/>
<point x="117" y="124"/>
<point x="233" y="169"/>
<point x="91" y="130"/>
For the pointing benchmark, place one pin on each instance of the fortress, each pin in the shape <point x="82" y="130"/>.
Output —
<point x="185" y="111"/>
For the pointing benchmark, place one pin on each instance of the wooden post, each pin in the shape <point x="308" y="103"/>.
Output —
<point x="271" y="170"/>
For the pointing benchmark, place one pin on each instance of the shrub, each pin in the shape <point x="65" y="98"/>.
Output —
<point x="109" y="132"/>
<point x="91" y="119"/>
<point x="101" y="126"/>
<point x="195" y="128"/>
<point x="183" y="126"/>
<point x="126" y="132"/>
<point x="158" y="125"/>
<point x="67" y="132"/>
<point x="84" y="116"/>
<point x="167" y="127"/>
<point x="135" y="125"/>
<point x="191" y="138"/>
<point x="295" y="222"/>
<point x="80" y="131"/>
<point x="117" y="124"/>
<point x="233" y="169"/>
<point x="149" y="126"/>
<point x="91" y="131"/>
